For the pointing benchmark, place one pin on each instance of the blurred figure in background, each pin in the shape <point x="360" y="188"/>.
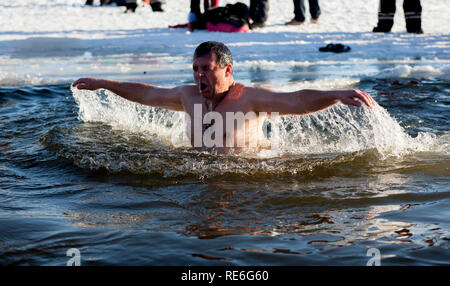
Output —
<point x="230" y="18"/>
<point x="196" y="15"/>
<point x="413" y="16"/>
<point x="259" y="10"/>
<point x="132" y="5"/>
<point x="299" y="11"/>
<point x="102" y="2"/>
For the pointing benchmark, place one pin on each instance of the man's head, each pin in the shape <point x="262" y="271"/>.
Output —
<point x="213" y="68"/>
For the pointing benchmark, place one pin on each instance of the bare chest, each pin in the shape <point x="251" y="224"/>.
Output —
<point x="227" y="126"/>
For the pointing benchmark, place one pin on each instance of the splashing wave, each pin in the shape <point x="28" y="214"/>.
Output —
<point x="121" y="136"/>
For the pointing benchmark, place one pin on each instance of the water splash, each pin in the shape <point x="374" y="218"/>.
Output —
<point x="408" y="71"/>
<point x="339" y="129"/>
<point x="145" y="140"/>
<point x="106" y="107"/>
<point x="343" y="129"/>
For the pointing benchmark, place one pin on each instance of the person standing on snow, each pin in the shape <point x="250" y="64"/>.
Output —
<point x="299" y="11"/>
<point x="413" y="15"/>
<point x="259" y="10"/>
<point x="196" y="14"/>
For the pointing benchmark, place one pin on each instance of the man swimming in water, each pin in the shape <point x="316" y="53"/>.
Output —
<point x="215" y="92"/>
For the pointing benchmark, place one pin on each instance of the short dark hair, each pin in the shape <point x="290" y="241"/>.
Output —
<point x="223" y="54"/>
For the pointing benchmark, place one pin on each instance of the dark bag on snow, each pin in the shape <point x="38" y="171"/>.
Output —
<point x="236" y="14"/>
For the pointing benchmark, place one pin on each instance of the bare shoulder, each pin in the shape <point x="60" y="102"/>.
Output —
<point x="257" y="92"/>
<point x="188" y="89"/>
<point x="189" y="93"/>
<point x="260" y="98"/>
<point x="184" y="90"/>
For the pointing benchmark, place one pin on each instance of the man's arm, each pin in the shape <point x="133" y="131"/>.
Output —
<point x="138" y="92"/>
<point x="304" y="101"/>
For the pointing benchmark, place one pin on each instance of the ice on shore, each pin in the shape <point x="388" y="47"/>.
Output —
<point x="60" y="40"/>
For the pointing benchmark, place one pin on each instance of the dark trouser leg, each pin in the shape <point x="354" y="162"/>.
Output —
<point x="299" y="10"/>
<point x="131" y="6"/>
<point x="89" y="2"/>
<point x="253" y="5"/>
<point x="199" y="23"/>
<point x="195" y="8"/>
<point x="259" y="10"/>
<point x="314" y="9"/>
<point x="156" y="6"/>
<point x="385" y="16"/>
<point x="413" y="16"/>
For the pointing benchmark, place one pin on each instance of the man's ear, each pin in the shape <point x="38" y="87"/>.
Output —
<point x="229" y="70"/>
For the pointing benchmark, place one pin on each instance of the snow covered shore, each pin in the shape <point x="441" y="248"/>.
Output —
<point x="24" y="18"/>
<point x="41" y="40"/>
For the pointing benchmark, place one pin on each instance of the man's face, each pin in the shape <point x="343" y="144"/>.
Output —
<point x="209" y="77"/>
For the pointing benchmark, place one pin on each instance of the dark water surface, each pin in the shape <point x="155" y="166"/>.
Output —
<point x="122" y="198"/>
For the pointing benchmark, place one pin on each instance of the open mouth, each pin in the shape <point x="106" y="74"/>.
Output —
<point x="203" y="86"/>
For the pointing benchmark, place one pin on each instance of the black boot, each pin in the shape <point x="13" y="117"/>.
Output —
<point x="386" y="14"/>
<point x="384" y="26"/>
<point x="156" y="7"/>
<point x="414" y="26"/>
<point x="131" y="7"/>
<point x="89" y="2"/>
<point x="413" y="16"/>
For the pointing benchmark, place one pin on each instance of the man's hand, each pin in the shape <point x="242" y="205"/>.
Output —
<point x="354" y="97"/>
<point x="89" y="83"/>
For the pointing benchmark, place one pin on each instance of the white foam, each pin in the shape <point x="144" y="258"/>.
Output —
<point x="23" y="79"/>
<point x="407" y="71"/>
<point x="343" y="129"/>
<point x="48" y="46"/>
<point x="106" y="107"/>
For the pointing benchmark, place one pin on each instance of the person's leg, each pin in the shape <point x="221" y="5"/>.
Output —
<point x="89" y="2"/>
<point x="196" y="18"/>
<point x="385" y="16"/>
<point x="156" y="6"/>
<point x="413" y="16"/>
<point x="314" y="9"/>
<point x="264" y="10"/>
<point x="259" y="10"/>
<point x="253" y="4"/>
<point x="299" y="10"/>
<point x="195" y="7"/>
<point x="131" y="6"/>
